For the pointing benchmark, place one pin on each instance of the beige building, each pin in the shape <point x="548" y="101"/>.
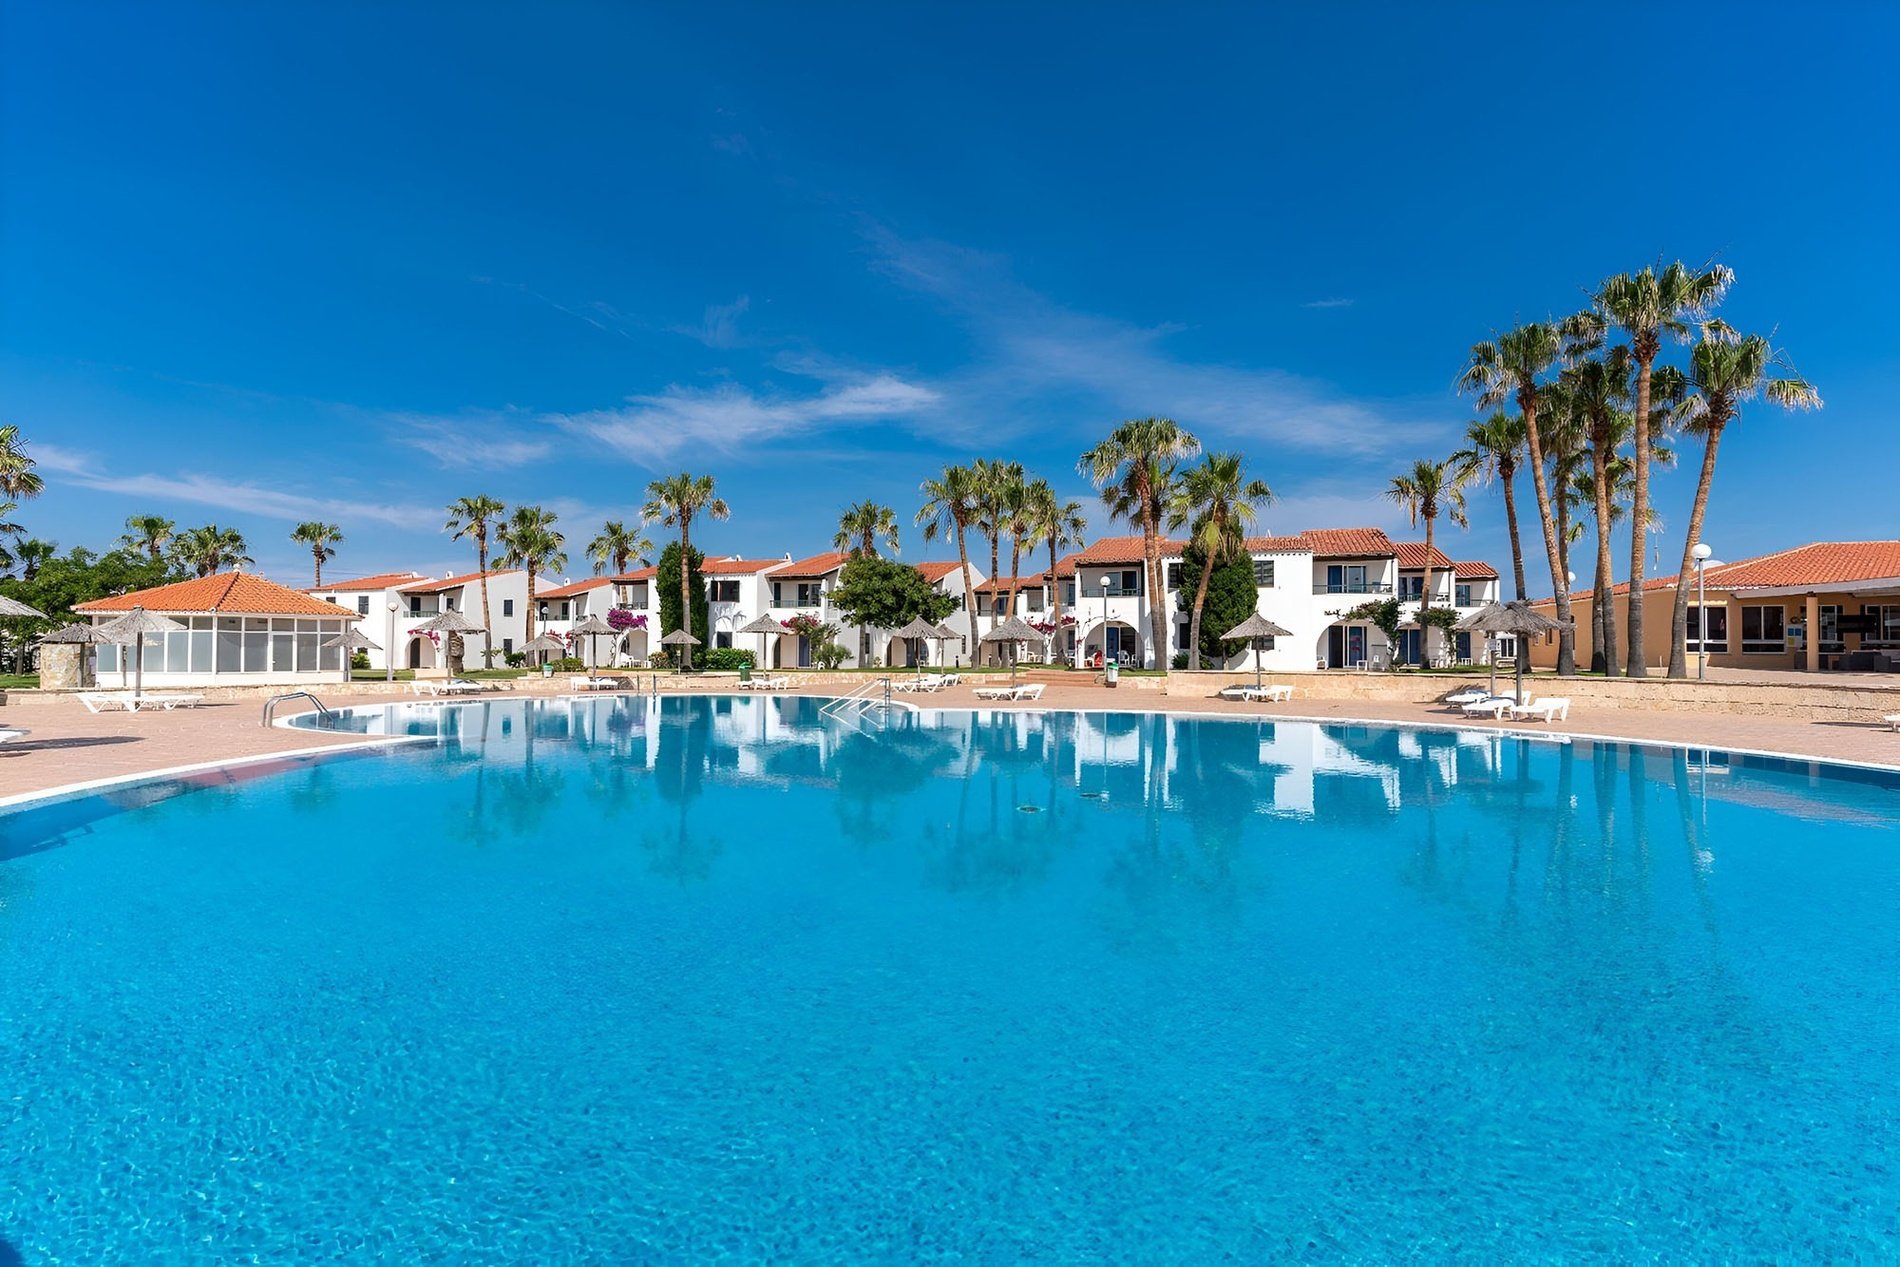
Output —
<point x="1830" y="605"/>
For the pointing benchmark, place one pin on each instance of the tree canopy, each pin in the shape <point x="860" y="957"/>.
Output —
<point x="883" y="594"/>
<point x="667" y="582"/>
<point x="1231" y="598"/>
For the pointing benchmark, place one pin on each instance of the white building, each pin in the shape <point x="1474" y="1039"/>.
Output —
<point x="238" y="630"/>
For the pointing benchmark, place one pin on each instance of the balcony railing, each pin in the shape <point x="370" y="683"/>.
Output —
<point x="794" y="602"/>
<point x="1351" y="587"/>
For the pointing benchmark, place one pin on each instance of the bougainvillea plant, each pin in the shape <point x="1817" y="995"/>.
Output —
<point x="621" y="619"/>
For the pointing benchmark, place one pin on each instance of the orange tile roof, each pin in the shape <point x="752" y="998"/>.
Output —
<point x="1065" y="566"/>
<point x="737" y="567"/>
<point x="638" y="574"/>
<point x="574" y="587"/>
<point x="1412" y="555"/>
<point x="1122" y="550"/>
<point x="1349" y="543"/>
<point x="816" y="565"/>
<point x="934" y="572"/>
<point x="381" y="581"/>
<point x="1819" y="563"/>
<point x="1476" y="569"/>
<point x="452" y="582"/>
<point x="1029" y="580"/>
<point x="228" y="593"/>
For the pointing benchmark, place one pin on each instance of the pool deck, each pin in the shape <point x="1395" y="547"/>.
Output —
<point x="69" y="745"/>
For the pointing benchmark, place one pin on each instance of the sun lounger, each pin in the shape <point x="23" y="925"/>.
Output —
<point x="166" y="702"/>
<point x="11" y="733"/>
<point x="1470" y="695"/>
<point x="1893" y="720"/>
<point x="103" y="702"/>
<point x="1494" y="706"/>
<point x="1550" y="708"/>
<point x="1274" y="694"/>
<point x="1027" y="691"/>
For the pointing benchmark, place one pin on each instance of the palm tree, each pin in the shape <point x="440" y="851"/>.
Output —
<point x="18" y="480"/>
<point x="1508" y="368"/>
<point x="209" y="549"/>
<point x="530" y="541"/>
<point x="862" y="526"/>
<point x="1496" y="447"/>
<point x="1647" y="305"/>
<point x="677" y="499"/>
<point x="616" y="546"/>
<point x="1218" y="499"/>
<point x="1135" y="469"/>
<point x="1724" y="372"/>
<point x="999" y="491"/>
<point x="150" y="533"/>
<point x="1425" y="492"/>
<point x="950" y="507"/>
<point x="1600" y="388"/>
<point x="476" y="517"/>
<point x="1057" y="524"/>
<point x="30" y="554"/>
<point x="319" y="537"/>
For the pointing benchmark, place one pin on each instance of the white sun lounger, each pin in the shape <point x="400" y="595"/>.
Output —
<point x="166" y="702"/>
<point x="1274" y="694"/>
<point x="1470" y="695"/>
<point x="10" y="733"/>
<point x="1550" y="708"/>
<point x="105" y="702"/>
<point x="1027" y="691"/>
<point x="1494" y="706"/>
<point x="1893" y="720"/>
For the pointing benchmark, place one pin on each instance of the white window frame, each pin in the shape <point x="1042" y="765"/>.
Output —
<point x="1764" y="645"/>
<point x="1694" y="640"/>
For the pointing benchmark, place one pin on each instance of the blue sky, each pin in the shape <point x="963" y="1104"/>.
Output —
<point x="267" y="263"/>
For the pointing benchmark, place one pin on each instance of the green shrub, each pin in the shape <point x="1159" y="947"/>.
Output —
<point x="829" y="655"/>
<point x="360" y="660"/>
<point x="569" y="664"/>
<point x="1180" y="660"/>
<point x="728" y="659"/>
<point x="515" y="659"/>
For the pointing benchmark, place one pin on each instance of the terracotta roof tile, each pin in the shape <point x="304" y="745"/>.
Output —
<point x="1476" y="569"/>
<point x="1819" y="563"/>
<point x="452" y="582"/>
<point x="816" y="565"/>
<point x="223" y="592"/>
<point x="1029" y="580"/>
<point x="738" y="567"/>
<point x="1412" y="555"/>
<point x="574" y="587"/>
<point x="381" y="581"/>
<point x="1349" y="543"/>
<point x="1122" y="550"/>
<point x="936" y="571"/>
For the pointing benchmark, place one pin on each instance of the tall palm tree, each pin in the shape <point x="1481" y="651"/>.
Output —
<point x="1508" y="368"/>
<point x="1218" y="499"/>
<point x="530" y="541"/>
<point x="616" y="547"/>
<point x="1600" y="388"/>
<point x="18" y="480"/>
<point x="476" y="517"/>
<point x="210" y="549"/>
<point x="150" y="533"/>
<point x="1135" y="467"/>
<point x="1428" y="490"/>
<point x="950" y="508"/>
<point x="862" y="526"/>
<point x="319" y="537"/>
<point x="999" y="488"/>
<point x="1647" y="305"/>
<point x="1019" y="524"/>
<point x="1057" y="524"/>
<point x="1724" y="372"/>
<point x="678" y="500"/>
<point x="30" y="554"/>
<point x="1494" y="449"/>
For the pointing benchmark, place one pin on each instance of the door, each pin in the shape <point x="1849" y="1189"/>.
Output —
<point x="1112" y="643"/>
<point x="1409" y="646"/>
<point x="804" y="652"/>
<point x="1355" y="645"/>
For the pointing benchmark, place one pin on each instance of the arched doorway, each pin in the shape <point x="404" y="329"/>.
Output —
<point x="422" y="653"/>
<point x="1117" y="641"/>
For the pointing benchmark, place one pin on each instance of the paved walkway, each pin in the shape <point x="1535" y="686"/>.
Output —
<point x="70" y="745"/>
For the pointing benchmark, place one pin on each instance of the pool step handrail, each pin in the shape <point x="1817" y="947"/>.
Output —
<point x="270" y="705"/>
<point x="873" y="699"/>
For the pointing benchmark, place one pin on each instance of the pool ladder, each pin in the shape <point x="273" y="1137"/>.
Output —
<point x="872" y="700"/>
<point x="270" y="705"/>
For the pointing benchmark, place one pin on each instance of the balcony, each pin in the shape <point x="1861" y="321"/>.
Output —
<point x="1351" y="587"/>
<point x="795" y="602"/>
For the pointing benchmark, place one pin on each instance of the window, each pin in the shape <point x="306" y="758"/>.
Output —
<point x="1032" y="600"/>
<point x="1346" y="578"/>
<point x="723" y="639"/>
<point x="564" y="609"/>
<point x="507" y="606"/>
<point x="1412" y="587"/>
<point x="1068" y="593"/>
<point x="507" y="645"/>
<point x="1263" y="574"/>
<point x="725" y="591"/>
<point x="1131" y="581"/>
<point x="1763" y="628"/>
<point x="1884" y="621"/>
<point x="1718" y="629"/>
<point x="1174" y="576"/>
<point x="362" y="605"/>
<point x="1461" y="596"/>
<point x="1831" y="640"/>
<point x="415" y="605"/>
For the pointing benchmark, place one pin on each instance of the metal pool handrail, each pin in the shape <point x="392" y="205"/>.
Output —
<point x="270" y="705"/>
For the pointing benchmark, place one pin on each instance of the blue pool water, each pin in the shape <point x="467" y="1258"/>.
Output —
<point x="709" y="979"/>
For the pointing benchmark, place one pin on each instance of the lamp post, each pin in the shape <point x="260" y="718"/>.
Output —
<point x="389" y="648"/>
<point x="1111" y="585"/>
<point x="1702" y="552"/>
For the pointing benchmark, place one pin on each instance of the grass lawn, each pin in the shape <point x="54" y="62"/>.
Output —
<point x="19" y="681"/>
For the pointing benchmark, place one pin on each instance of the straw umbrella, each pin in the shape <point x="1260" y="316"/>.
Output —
<point x="1012" y="631"/>
<point x="14" y="609"/>
<point x="916" y="631"/>
<point x="941" y="634"/>
<point x="352" y="640"/>
<point x="593" y="627"/>
<point x="543" y="642"/>
<point x="451" y="622"/>
<point x="1255" y="629"/>
<point x="764" y="626"/>
<point x="130" y="630"/>
<point x="679" y="638"/>
<point x="75" y="635"/>
<point x="1515" y="617"/>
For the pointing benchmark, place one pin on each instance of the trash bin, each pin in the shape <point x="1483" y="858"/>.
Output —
<point x="547" y="670"/>
<point x="745" y="673"/>
<point x="1111" y="674"/>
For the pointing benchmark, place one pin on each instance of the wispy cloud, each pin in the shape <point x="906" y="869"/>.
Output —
<point x="653" y="429"/>
<point x="1035" y="349"/>
<point x="489" y="441"/>
<point x="1327" y="303"/>
<point x="719" y="327"/>
<point x="237" y="496"/>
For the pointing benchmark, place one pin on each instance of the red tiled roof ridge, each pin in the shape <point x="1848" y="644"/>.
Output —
<point x="243" y="593"/>
<point x="574" y="587"/>
<point x="816" y="565"/>
<point x="376" y="580"/>
<point x="428" y="585"/>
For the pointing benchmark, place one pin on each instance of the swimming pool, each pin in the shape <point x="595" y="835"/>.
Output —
<point x="677" y="979"/>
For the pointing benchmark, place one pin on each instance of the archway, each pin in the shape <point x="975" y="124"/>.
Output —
<point x="422" y="653"/>
<point x="1117" y="640"/>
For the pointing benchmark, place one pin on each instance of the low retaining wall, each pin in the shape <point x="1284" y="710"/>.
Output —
<point x="1820" y="702"/>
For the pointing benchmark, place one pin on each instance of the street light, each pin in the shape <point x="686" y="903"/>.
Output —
<point x="389" y="647"/>
<point x="1702" y="553"/>
<point x="1111" y="587"/>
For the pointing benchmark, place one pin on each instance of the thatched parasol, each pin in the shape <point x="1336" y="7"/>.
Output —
<point x="11" y="608"/>
<point x="593" y="627"/>
<point x="1012" y="631"/>
<point x="76" y="635"/>
<point x="679" y="638"/>
<point x="916" y="631"/>
<point x="543" y="642"/>
<point x="1254" y="629"/>
<point x="1515" y="617"/>
<point x="765" y="627"/>
<point x="353" y="639"/>
<point x="130" y="630"/>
